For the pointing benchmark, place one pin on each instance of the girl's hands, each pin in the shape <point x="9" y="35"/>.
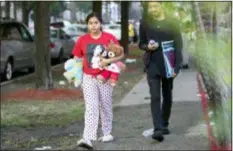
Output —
<point x="104" y="62"/>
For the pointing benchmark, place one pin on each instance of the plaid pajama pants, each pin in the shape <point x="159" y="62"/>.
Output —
<point x="96" y="95"/>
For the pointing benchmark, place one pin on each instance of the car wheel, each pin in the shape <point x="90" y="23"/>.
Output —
<point x="8" y="72"/>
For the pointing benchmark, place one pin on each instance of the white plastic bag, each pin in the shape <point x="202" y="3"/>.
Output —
<point x="148" y="133"/>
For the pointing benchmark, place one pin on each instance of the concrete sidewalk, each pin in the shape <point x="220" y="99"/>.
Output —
<point x="185" y="89"/>
<point x="132" y="116"/>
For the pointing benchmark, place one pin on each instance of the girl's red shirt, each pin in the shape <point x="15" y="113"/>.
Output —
<point x="85" y="47"/>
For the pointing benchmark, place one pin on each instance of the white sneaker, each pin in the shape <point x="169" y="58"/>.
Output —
<point x="85" y="143"/>
<point x="107" y="138"/>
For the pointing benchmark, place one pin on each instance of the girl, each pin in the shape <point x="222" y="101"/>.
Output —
<point x="95" y="93"/>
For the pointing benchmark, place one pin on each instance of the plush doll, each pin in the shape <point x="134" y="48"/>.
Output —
<point x="96" y="57"/>
<point x="74" y="71"/>
<point x="111" y="72"/>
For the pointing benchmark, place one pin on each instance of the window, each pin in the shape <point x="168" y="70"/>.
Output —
<point x="24" y="33"/>
<point x="14" y="33"/>
<point x="53" y="33"/>
<point x="10" y="32"/>
<point x="3" y="31"/>
<point x="62" y="34"/>
<point x="71" y="29"/>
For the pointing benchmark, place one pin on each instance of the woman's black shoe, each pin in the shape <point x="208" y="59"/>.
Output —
<point x="158" y="135"/>
<point x="165" y="131"/>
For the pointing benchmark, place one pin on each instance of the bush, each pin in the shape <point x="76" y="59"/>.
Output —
<point x="213" y="60"/>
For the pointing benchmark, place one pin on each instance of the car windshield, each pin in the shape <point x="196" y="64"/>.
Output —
<point x="71" y="29"/>
<point x="9" y="31"/>
<point x="53" y="33"/>
<point x="82" y="29"/>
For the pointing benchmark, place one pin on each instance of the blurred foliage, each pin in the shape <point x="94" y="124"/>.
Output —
<point x="56" y="7"/>
<point x="213" y="58"/>
<point x="85" y="6"/>
<point x="180" y="11"/>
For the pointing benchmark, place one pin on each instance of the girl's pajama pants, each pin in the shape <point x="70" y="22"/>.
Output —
<point x="96" y="95"/>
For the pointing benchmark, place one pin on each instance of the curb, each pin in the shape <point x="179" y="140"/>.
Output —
<point x="204" y="102"/>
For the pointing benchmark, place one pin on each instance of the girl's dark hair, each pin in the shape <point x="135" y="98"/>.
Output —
<point x="94" y="14"/>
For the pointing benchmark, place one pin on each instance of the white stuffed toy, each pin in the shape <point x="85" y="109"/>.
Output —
<point x="74" y="71"/>
<point x="96" y="57"/>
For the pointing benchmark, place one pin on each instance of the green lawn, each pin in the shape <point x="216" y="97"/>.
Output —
<point x="49" y="113"/>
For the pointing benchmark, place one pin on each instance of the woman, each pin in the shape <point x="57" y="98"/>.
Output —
<point x="95" y="93"/>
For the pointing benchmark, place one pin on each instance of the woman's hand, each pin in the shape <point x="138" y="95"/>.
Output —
<point x="174" y="74"/>
<point x="152" y="47"/>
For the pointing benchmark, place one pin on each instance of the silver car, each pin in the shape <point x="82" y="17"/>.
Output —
<point x="17" y="48"/>
<point x="61" y="44"/>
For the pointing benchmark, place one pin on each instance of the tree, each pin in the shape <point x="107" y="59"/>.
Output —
<point x="15" y="10"/>
<point x="85" y="6"/>
<point x="42" y="55"/>
<point x="1" y="9"/>
<point x="56" y="7"/>
<point x="27" y="6"/>
<point x="72" y="7"/>
<point x="215" y="71"/>
<point x="97" y="6"/>
<point x="7" y="9"/>
<point x="124" y="25"/>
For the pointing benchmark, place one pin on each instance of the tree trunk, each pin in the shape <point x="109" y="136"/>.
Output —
<point x="214" y="20"/>
<point x="15" y="10"/>
<point x="124" y="25"/>
<point x="42" y="55"/>
<point x="7" y="10"/>
<point x="26" y="12"/>
<point x="97" y="7"/>
<point x="199" y="18"/>
<point x="73" y="10"/>
<point x="1" y="10"/>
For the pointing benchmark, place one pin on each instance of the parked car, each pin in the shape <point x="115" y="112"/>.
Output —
<point x="68" y="28"/>
<point x="72" y="32"/>
<point x="114" y="29"/>
<point x="61" y="44"/>
<point x="17" y="48"/>
<point x="81" y="30"/>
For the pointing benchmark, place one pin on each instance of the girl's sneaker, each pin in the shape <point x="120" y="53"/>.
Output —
<point x="85" y="143"/>
<point x="107" y="138"/>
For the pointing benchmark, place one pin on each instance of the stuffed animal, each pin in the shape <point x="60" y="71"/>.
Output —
<point x="74" y="71"/>
<point x="96" y="57"/>
<point x="111" y="72"/>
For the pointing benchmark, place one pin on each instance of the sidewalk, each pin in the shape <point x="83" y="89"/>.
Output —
<point x="185" y="89"/>
<point x="132" y="116"/>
